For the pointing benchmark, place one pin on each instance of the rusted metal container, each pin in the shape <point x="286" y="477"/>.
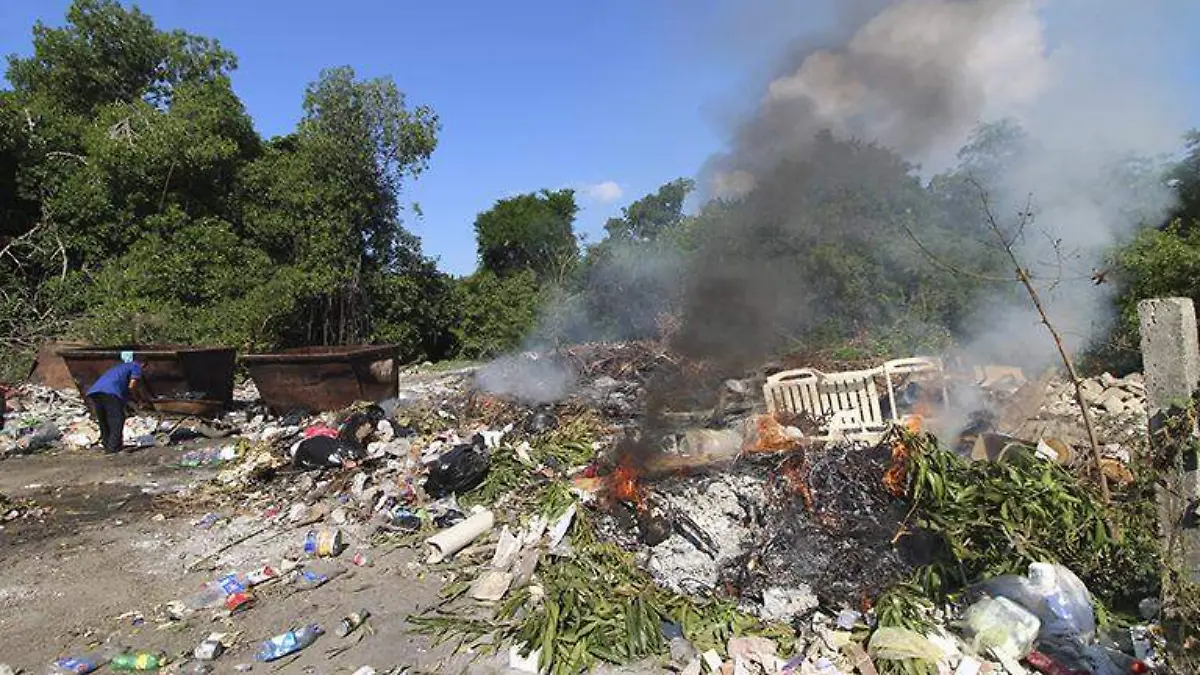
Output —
<point x="48" y="367"/>
<point x="171" y="372"/>
<point x="318" y="379"/>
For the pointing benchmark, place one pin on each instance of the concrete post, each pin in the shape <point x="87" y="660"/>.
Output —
<point x="1171" y="363"/>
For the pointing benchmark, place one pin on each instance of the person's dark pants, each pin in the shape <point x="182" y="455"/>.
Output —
<point x="110" y="415"/>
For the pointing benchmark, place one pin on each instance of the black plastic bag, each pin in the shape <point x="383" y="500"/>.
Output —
<point x="322" y="452"/>
<point x="460" y="470"/>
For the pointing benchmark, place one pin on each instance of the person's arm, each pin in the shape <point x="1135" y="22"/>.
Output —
<point x="137" y="392"/>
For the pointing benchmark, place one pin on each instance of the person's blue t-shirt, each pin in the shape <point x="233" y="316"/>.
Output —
<point x="115" y="380"/>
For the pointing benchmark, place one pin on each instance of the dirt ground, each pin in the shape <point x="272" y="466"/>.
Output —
<point x="112" y="547"/>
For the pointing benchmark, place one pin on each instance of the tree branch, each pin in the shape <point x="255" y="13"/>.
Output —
<point x="1022" y="275"/>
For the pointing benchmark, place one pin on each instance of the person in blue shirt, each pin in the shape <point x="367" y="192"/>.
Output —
<point x="109" y="395"/>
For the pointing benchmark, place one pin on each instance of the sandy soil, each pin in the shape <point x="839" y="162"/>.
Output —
<point x="110" y="548"/>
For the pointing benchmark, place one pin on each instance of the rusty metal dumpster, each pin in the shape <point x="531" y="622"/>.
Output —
<point x="169" y="372"/>
<point x="318" y="379"/>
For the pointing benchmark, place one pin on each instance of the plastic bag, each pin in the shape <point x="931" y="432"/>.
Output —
<point x="457" y="471"/>
<point x="1001" y="625"/>
<point x="1055" y="596"/>
<point x="898" y="644"/>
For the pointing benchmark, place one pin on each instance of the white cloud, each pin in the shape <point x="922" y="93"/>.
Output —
<point x="605" y="193"/>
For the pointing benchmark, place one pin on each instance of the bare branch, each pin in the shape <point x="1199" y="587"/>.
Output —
<point x="947" y="266"/>
<point x="1023" y="276"/>
<point x="16" y="240"/>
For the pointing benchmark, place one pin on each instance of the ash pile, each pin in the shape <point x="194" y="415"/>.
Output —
<point x="780" y="532"/>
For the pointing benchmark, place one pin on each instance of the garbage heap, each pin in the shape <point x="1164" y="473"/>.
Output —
<point x="572" y="531"/>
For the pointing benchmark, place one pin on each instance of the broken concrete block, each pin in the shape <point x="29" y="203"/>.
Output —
<point x="1113" y="401"/>
<point x="1092" y="391"/>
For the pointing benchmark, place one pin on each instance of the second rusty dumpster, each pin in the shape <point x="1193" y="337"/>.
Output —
<point x="319" y="379"/>
<point x="168" y="371"/>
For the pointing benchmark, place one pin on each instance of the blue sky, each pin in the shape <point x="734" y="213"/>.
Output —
<point x="532" y="93"/>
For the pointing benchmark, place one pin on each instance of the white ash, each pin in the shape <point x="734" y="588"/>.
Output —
<point x="714" y="506"/>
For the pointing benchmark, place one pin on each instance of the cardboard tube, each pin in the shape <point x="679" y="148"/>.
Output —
<point x="450" y="541"/>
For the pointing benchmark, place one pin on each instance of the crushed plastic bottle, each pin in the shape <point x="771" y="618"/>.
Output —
<point x="138" y="661"/>
<point x="214" y="593"/>
<point x="288" y="643"/>
<point x="80" y="665"/>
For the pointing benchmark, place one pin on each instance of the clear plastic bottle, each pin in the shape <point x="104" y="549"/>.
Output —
<point x="289" y="643"/>
<point x="213" y="593"/>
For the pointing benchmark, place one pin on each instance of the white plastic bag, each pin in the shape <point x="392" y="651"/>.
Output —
<point x="1003" y="626"/>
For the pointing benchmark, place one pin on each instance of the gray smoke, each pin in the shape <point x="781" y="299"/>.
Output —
<point x="531" y="377"/>
<point x="919" y="76"/>
<point x="914" y="76"/>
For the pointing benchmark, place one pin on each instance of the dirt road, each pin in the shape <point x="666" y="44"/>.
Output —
<point x="115" y="546"/>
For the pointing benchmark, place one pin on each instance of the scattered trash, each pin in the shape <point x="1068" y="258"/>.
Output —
<point x="137" y="661"/>
<point x="80" y="664"/>
<point x="210" y="649"/>
<point x="1001" y="625"/>
<point x="288" y="643"/>
<point x="459" y="470"/>
<point x="324" y="543"/>
<point x="446" y="543"/>
<point x="351" y="622"/>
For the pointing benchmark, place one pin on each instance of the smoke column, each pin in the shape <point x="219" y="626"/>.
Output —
<point x="1086" y="84"/>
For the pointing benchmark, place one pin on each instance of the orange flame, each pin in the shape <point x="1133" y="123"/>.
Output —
<point x="623" y="486"/>
<point x="895" y="480"/>
<point x="770" y="436"/>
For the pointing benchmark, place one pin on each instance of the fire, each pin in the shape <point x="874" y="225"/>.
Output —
<point x="770" y="436"/>
<point x="623" y="486"/>
<point x="896" y="477"/>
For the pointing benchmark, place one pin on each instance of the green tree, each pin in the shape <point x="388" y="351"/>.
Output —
<point x="326" y="201"/>
<point x="139" y="202"/>
<point x="107" y="53"/>
<point x="529" y="232"/>
<point x="650" y="216"/>
<point x="497" y="312"/>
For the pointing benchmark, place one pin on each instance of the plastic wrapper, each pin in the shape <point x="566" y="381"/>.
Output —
<point x="1002" y="625"/>
<point x="1055" y="596"/>
<point x="899" y="644"/>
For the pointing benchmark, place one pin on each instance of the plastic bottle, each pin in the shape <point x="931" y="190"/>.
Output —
<point x="213" y="593"/>
<point x="79" y="665"/>
<point x="137" y="661"/>
<point x="288" y="643"/>
<point x="351" y="622"/>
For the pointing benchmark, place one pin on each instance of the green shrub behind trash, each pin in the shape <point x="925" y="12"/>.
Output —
<point x="997" y="518"/>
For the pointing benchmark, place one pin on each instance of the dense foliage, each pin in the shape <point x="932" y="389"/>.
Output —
<point x="138" y="203"/>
